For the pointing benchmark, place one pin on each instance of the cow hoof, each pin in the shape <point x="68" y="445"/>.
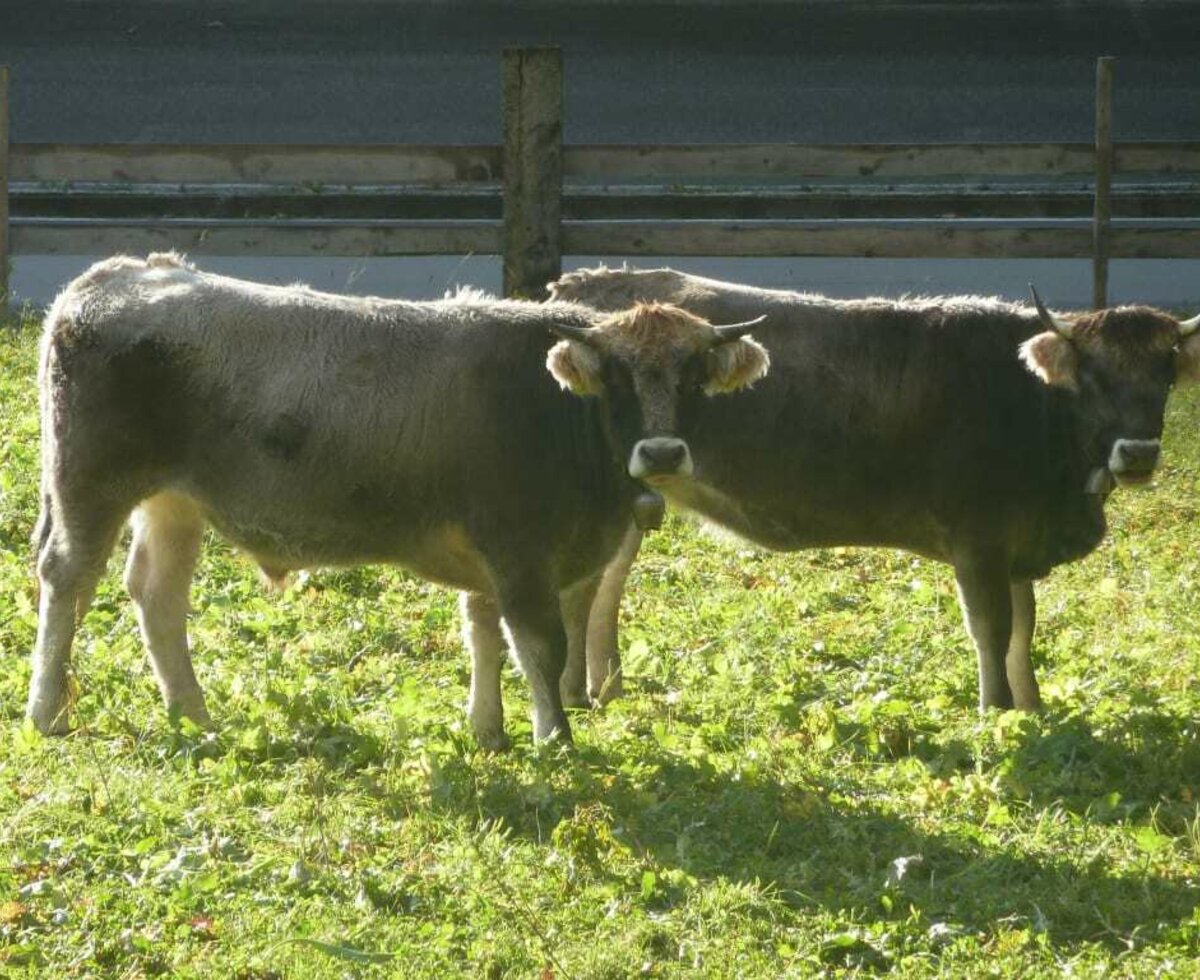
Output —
<point x="493" y="743"/>
<point x="557" y="736"/>
<point x="576" y="699"/>
<point x="197" y="714"/>
<point x="50" y="722"/>
<point x="49" y="715"/>
<point x="610" y="690"/>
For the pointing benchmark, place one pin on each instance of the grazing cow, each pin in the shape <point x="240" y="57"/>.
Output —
<point x="314" y="429"/>
<point x="980" y="433"/>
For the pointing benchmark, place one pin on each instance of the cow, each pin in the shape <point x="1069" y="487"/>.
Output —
<point x="315" y="429"/>
<point x="976" y="432"/>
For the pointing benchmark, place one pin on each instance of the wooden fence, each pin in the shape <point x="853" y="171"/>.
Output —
<point x="533" y="199"/>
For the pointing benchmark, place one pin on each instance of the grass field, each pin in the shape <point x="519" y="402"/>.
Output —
<point x="797" y="782"/>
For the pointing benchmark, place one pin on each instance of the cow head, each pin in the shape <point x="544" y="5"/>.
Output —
<point x="640" y="362"/>
<point x="1120" y="363"/>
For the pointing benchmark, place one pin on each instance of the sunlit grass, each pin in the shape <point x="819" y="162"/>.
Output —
<point x="797" y="782"/>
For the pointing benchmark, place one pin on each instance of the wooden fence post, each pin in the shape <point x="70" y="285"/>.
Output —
<point x="533" y="167"/>
<point x="1102" y="211"/>
<point x="3" y="187"/>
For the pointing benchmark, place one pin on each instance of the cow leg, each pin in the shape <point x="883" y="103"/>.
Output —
<point x="983" y="592"/>
<point x="603" y="653"/>
<point x="167" y="530"/>
<point x="74" y="547"/>
<point x="1019" y="666"/>
<point x="483" y="637"/>
<point x="575" y="603"/>
<point x="534" y="623"/>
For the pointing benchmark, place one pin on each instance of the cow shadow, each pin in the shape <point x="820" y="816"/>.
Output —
<point x="820" y="843"/>
<point x="817" y="838"/>
<point x="1069" y="762"/>
<point x="1100" y="765"/>
<point x="1122" y="767"/>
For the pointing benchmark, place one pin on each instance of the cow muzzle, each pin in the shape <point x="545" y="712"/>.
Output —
<point x="660" y="456"/>
<point x="1132" y="461"/>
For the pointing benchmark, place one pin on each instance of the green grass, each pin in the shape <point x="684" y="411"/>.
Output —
<point x="796" y="784"/>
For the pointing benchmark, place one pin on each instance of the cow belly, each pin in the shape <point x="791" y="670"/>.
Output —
<point x="279" y="543"/>
<point x="804" y="524"/>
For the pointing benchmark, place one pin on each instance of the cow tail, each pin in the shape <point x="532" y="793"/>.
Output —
<point x="45" y="521"/>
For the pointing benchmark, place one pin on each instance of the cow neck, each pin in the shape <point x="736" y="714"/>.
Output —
<point x="606" y="476"/>
<point x="1072" y="520"/>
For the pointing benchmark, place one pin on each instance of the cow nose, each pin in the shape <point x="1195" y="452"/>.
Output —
<point x="660" y="456"/>
<point x="1133" y="460"/>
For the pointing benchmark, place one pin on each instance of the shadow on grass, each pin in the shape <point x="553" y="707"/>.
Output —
<point x="1147" y="757"/>
<point x="827" y="844"/>
<point x="823" y="847"/>
<point x="341" y="748"/>
<point x="1116" y="768"/>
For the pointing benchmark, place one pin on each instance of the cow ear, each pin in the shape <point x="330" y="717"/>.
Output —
<point x="1187" y="361"/>
<point x="576" y="367"/>
<point x="737" y="364"/>
<point x="1051" y="357"/>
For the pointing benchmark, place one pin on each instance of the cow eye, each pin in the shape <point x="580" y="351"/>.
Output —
<point x="695" y="373"/>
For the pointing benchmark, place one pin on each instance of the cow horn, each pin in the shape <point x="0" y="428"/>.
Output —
<point x="1187" y="327"/>
<point x="1052" y="322"/>
<point x="729" y="332"/>
<point x="568" y="331"/>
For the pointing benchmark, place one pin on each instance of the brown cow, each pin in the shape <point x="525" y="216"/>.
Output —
<point x="980" y="433"/>
<point x="314" y="429"/>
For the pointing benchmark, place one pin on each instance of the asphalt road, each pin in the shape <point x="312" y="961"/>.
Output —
<point x="371" y="71"/>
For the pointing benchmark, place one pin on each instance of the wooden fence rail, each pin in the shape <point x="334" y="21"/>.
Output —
<point x="532" y="199"/>
<point x="314" y="165"/>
